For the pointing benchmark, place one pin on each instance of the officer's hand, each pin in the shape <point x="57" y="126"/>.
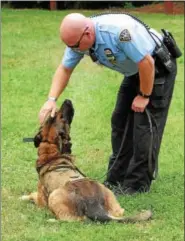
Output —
<point x="139" y="103"/>
<point x="49" y="107"/>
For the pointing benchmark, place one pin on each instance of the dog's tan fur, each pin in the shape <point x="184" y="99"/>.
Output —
<point x="62" y="187"/>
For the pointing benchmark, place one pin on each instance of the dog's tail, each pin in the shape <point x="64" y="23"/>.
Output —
<point x="96" y="212"/>
<point x="142" y="216"/>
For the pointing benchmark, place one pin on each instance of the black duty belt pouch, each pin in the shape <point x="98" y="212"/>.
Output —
<point x="167" y="50"/>
<point x="171" y="44"/>
<point x="163" y="58"/>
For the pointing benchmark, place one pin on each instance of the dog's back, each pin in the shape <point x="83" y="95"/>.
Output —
<point x="58" y="174"/>
<point x="89" y="199"/>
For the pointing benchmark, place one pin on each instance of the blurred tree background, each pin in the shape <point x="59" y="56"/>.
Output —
<point x="75" y="4"/>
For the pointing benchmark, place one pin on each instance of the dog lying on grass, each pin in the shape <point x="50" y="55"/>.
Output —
<point x="62" y="187"/>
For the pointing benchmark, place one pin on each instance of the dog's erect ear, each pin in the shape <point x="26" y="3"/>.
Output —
<point x="37" y="139"/>
<point x="67" y="111"/>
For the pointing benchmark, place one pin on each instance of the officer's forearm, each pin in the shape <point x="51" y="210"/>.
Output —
<point x="60" y="80"/>
<point x="146" y="74"/>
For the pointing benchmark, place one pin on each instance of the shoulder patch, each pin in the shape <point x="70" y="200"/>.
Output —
<point x="124" y="36"/>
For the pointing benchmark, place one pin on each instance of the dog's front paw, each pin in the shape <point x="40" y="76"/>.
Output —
<point x="52" y="220"/>
<point x="24" y="198"/>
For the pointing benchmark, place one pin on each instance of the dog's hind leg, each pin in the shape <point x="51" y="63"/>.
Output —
<point x="42" y="196"/>
<point x="111" y="204"/>
<point x="62" y="207"/>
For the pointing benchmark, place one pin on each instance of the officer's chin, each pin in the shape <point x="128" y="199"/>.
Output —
<point x="84" y="48"/>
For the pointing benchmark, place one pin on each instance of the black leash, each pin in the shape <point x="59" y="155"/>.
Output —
<point x="150" y="166"/>
<point x="120" y="149"/>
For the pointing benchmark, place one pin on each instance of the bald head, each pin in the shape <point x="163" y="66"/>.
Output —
<point x="73" y="26"/>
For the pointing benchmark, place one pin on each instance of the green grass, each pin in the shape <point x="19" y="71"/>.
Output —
<point x="31" y="51"/>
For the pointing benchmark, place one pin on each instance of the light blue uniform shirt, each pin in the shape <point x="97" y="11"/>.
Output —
<point x="121" y="42"/>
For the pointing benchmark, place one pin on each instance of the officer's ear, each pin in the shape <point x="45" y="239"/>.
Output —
<point x="88" y="32"/>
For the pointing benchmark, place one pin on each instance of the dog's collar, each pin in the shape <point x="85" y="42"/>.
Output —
<point x="61" y="161"/>
<point x="47" y="165"/>
<point x="62" y="166"/>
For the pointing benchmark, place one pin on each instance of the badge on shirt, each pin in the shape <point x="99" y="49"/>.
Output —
<point x="124" y="36"/>
<point x="110" y="56"/>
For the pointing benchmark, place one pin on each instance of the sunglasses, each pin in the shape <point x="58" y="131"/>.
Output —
<point x="77" y="45"/>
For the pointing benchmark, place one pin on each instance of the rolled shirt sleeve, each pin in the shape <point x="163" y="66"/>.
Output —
<point x="71" y="58"/>
<point x="136" y="43"/>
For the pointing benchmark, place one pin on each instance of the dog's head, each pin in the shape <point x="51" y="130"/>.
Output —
<point x="56" y="131"/>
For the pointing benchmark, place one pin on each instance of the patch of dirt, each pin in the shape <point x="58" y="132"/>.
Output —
<point x="178" y="8"/>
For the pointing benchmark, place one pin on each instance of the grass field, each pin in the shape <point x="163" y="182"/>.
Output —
<point x="31" y="51"/>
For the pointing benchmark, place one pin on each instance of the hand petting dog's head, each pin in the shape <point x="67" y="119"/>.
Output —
<point x="56" y="130"/>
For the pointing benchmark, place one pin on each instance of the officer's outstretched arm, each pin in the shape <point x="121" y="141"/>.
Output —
<point x="146" y="74"/>
<point x="59" y="82"/>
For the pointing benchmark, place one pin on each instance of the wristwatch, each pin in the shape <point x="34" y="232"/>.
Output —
<point x="144" y="95"/>
<point x="52" y="98"/>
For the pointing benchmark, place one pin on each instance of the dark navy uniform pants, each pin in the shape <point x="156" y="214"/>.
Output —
<point x="131" y="168"/>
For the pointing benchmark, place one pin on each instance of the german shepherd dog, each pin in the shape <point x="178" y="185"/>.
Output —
<point x="62" y="187"/>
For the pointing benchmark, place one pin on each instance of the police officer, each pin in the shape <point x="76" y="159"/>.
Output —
<point x="122" y="43"/>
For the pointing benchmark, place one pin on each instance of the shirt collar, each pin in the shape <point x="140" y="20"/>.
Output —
<point x="98" y="38"/>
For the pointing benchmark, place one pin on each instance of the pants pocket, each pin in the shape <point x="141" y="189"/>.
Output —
<point x="158" y="98"/>
<point x="158" y="89"/>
